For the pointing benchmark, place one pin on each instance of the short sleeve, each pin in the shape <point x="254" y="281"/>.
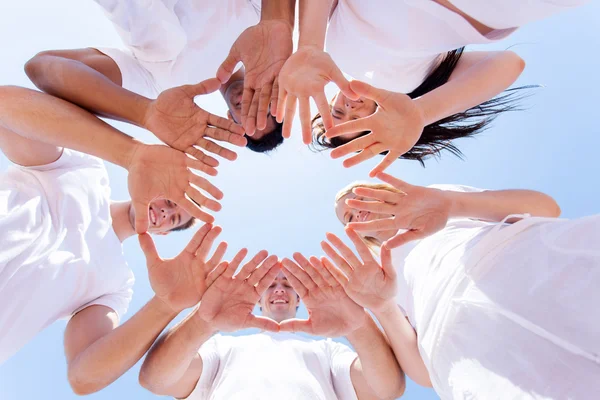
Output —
<point x="457" y="188"/>
<point x="341" y="358"/>
<point x="117" y="301"/>
<point x="134" y="76"/>
<point x="211" y="359"/>
<point x="69" y="159"/>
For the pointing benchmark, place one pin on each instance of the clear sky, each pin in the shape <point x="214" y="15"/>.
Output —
<point x="283" y="202"/>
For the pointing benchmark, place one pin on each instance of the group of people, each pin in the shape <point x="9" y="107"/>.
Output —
<point x="480" y="294"/>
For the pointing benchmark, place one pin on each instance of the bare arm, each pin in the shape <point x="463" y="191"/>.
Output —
<point x="98" y="352"/>
<point x="313" y="22"/>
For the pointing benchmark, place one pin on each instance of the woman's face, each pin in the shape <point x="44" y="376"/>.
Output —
<point x="346" y="214"/>
<point x="343" y="110"/>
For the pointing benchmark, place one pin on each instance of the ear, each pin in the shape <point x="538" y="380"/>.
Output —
<point x="229" y="116"/>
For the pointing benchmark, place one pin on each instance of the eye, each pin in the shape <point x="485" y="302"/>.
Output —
<point x="350" y="218"/>
<point x="169" y="203"/>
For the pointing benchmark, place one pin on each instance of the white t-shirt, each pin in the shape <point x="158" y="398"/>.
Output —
<point x="175" y="42"/>
<point x="59" y="252"/>
<point x="274" y="366"/>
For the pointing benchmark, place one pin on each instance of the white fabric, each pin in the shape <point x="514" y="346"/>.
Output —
<point x="394" y="45"/>
<point x="507" y="311"/>
<point x="274" y="366"/>
<point x="59" y="252"/>
<point x="175" y="42"/>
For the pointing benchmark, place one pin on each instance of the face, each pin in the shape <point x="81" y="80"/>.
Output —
<point x="279" y="302"/>
<point x="347" y="214"/>
<point x="345" y="109"/>
<point x="233" y="98"/>
<point x="163" y="216"/>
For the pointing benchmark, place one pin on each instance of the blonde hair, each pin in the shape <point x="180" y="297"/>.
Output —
<point x="372" y="243"/>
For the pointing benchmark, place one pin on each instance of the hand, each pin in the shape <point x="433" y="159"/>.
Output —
<point x="395" y="127"/>
<point x="227" y="305"/>
<point x="418" y="211"/>
<point x="331" y="312"/>
<point x="263" y="49"/>
<point x="157" y="171"/>
<point x="305" y="75"/>
<point x="176" y="120"/>
<point x="366" y="282"/>
<point x="180" y="282"/>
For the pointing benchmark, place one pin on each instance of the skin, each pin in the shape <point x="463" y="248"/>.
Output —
<point x="280" y="289"/>
<point x="344" y="109"/>
<point x="346" y="214"/>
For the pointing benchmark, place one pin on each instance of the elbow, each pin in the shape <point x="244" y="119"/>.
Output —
<point x="554" y="210"/>
<point x="82" y="386"/>
<point x="152" y="385"/>
<point x="516" y="63"/>
<point x="36" y="67"/>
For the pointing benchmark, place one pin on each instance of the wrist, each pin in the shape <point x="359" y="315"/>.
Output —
<point x="389" y="311"/>
<point x="281" y="10"/>
<point x="456" y="201"/>
<point x="362" y="331"/>
<point x="203" y="325"/>
<point x="132" y="151"/>
<point x="163" y="308"/>
<point x="142" y="110"/>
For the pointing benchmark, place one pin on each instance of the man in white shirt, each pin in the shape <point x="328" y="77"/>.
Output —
<point x="61" y="235"/>
<point x="175" y="43"/>
<point x="189" y="362"/>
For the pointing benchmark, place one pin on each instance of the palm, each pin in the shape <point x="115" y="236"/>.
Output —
<point x="397" y="113"/>
<point x="307" y="72"/>
<point x="331" y="312"/>
<point x="369" y="286"/>
<point x="228" y="305"/>
<point x="423" y="210"/>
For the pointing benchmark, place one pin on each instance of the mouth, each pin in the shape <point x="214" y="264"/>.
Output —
<point x="152" y="216"/>
<point x="279" y="301"/>
<point x="364" y="216"/>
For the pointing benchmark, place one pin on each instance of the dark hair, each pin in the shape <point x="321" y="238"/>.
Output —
<point x="185" y="226"/>
<point x="439" y="135"/>
<point x="269" y="141"/>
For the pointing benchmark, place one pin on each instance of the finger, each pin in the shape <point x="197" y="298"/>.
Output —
<point x="200" y="156"/>
<point x="310" y="270"/>
<point x="370" y="92"/>
<point x="340" y="80"/>
<point x="214" y="148"/>
<point x="354" y="126"/>
<point x="260" y="322"/>
<point x="335" y="272"/>
<point x="204" y="87"/>
<point x="377" y="225"/>
<point x="388" y="160"/>
<point x="202" y="200"/>
<point x="198" y="239"/>
<point x="395" y="182"/>
<point x="295" y="325"/>
<point x="252" y="264"/>
<point x="263" y="269"/>
<point x="148" y="247"/>
<point x="205" y="185"/>
<point x="206" y="241"/>
<point x="141" y="216"/>
<point x="274" y="98"/>
<point x="364" y="155"/>
<point x="224" y="135"/>
<point x="227" y="67"/>
<point x="216" y="273"/>
<point x="247" y="97"/>
<point x="403" y="238"/>
<point x="341" y="263"/>
<point x="379" y="194"/>
<point x="250" y="124"/>
<point x="224" y="123"/>
<point x="194" y="210"/>
<point x="217" y="256"/>
<point x="290" y="112"/>
<point x="264" y="282"/>
<point x="374" y="206"/>
<point x="353" y="146"/>
<point x="235" y="263"/>
<point x="324" y="110"/>
<point x="304" y="104"/>
<point x="281" y="104"/>
<point x="293" y="269"/>
<point x="360" y="245"/>
<point x="323" y="272"/>
<point x="264" y="99"/>
<point x="386" y="263"/>
<point x="344" y="250"/>
<point x="200" y="166"/>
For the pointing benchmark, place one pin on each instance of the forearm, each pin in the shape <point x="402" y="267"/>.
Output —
<point x="278" y="9"/>
<point x="171" y="356"/>
<point x="495" y="205"/>
<point x="41" y="117"/>
<point x="403" y="340"/>
<point x="80" y="84"/>
<point x="109" y="357"/>
<point x="313" y="22"/>
<point x="378" y="365"/>
<point x="469" y="87"/>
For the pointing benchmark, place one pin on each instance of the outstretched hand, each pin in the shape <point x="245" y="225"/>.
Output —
<point x="395" y="127"/>
<point x="263" y="49"/>
<point x="331" y="312"/>
<point x="177" y="121"/>
<point x="157" y="171"/>
<point x="228" y="303"/>
<point x="180" y="282"/>
<point x="416" y="212"/>
<point x="303" y="76"/>
<point x="369" y="284"/>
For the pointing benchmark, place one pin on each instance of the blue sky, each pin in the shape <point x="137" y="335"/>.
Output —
<point x="283" y="202"/>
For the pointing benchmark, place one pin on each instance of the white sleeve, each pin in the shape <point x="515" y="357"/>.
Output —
<point x="211" y="359"/>
<point x="117" y="301"/>
<point x="341" y="358"/>
<point x="457" y="188"/>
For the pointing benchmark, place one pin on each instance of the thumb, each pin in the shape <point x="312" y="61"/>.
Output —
<point x="343" y="84"/>
<point x="368" y="91"/>
<point x="264" y="323"/>
<point x="403" y="238"/>
<point x="204" y="87"/>
<point x="148" y="247"/>
<point x="140" y="210"/>
<point x="296" y="325"/>
<point x="228" y="66"/>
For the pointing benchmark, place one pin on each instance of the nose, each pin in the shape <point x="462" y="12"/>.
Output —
<point x="279" y="290"/>
<point x="166" y="212"/>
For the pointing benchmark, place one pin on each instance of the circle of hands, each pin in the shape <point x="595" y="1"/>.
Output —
<point x="335" y="289"/>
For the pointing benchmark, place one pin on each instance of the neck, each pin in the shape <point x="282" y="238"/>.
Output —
<point x="120" y="212"/>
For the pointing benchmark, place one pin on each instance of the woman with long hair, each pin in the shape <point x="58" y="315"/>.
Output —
<point x="423" y="90"/>
<point x="482" y="294"/>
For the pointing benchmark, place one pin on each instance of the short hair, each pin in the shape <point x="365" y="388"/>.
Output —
<point x="185" y="226"/>
<point x="269" y="142"/>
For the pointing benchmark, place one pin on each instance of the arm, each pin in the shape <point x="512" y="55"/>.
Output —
<point x="314" y="15"/>
<point x="478" y="77"/>
<point x="98" y="352"/>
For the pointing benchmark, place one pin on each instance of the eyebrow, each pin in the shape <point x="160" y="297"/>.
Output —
<point x="178" y="219"/>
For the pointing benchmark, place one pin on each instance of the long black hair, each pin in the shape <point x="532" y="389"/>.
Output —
<point x="439" y="135"/>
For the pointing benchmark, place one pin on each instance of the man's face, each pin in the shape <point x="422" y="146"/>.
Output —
<point x="163" y="216"/>
<point x="280" y="301"/>
<point x="233" y="98"/>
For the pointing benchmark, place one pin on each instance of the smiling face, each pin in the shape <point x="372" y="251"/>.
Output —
<point x="347" y="214"/>
<point x="280" y="301"/>
<point x="344" y="109"/>
<point x="163" y="216"/>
